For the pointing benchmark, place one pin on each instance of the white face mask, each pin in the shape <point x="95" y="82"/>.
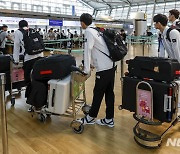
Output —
<point x="25" y="28"/>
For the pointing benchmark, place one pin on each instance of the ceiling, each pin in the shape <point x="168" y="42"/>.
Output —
<point x="108" y="4"/>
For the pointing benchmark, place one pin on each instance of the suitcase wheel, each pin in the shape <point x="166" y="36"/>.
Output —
<point x="77" y="127"/>
<point x="12" y="101"/>
<point x="120" y="107"/>
<point x="42" y="117"/>
<point x="86" y="109"/>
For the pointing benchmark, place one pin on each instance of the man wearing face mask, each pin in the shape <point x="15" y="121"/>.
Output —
<point x="169" y="39"/>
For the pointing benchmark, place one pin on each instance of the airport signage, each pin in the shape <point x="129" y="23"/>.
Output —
<point x="15" y="21"/>
<point x="55" y="22"/>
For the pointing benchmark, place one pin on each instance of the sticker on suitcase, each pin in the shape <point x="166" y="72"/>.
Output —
<point x="17" y="75"/>
<point x="144" y="104"/>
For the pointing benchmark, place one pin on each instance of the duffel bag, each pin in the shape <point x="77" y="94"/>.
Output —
<point x="160" y="69"/>
<point x="53" y="67"/>
<point x="4" y="63"/>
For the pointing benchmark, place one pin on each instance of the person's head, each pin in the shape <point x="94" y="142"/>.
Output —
<point x="39" y="29"/>
<point x="23" y="23"/>
<point x="173" y="15"/>
<point x="51" y="30"/>
<point x="68" y="30"/>
<point x="12" y="31"/>
<point x="86" y="20"/>
<point x="160" y="21"/>
<point x="75" y="32"/>
<point x="4" y="27"/>
<point x="122" y="31"/>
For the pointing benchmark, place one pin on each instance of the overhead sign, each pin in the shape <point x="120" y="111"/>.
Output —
<point x="15" y="21"/>
<point x="55" y="22"/>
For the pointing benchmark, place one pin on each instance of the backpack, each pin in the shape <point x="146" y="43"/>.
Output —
<point x="33" y="42"/>
<point x="117" y="48"/>
<point x="177" y="27"/>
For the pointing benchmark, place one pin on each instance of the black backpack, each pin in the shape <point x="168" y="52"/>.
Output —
<point x="117" y="48"/>
<point x="33" y="42"/>
<point x="177" y="27"/>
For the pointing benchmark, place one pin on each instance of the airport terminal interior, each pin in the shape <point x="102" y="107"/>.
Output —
<point x="24" y="129"/>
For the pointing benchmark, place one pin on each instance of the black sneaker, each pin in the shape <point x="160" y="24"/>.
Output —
<point x="87" y="121"/>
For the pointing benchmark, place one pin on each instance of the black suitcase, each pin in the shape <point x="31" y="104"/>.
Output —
<point x="160" y="90"/>
<point x="53" y="67"/>
<point x="160" y="69"/>
<point x="38" y="92"/>
<point x="4" y="63"/>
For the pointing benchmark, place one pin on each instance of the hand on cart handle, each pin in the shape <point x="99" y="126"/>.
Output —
<point x="12" y="59"/>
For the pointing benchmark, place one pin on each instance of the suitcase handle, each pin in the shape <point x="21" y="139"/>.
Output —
<point x="53" y="95"/>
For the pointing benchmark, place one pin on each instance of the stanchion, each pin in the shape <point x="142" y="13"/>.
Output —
<point x="3" y="114"/>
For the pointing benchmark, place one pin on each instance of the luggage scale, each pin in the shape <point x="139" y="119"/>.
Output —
<point x="144" y="115"/>
<point x="77" y="87"/>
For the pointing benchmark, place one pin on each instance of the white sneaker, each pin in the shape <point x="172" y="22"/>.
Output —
<point x="105" y="122"/>
<point x="87" y="120"/>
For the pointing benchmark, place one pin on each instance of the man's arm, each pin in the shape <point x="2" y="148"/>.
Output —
<point x="88" y="46"/>
<point x="17" y="44"/>
<point x="175" y="42"/>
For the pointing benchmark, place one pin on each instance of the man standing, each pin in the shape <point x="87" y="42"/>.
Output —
<point x="105" y="73"/>
<point x="169" y="38"/>
<point x="174" y="17"/>
<point x="29" y="60"/>
<point x="3" y="36"/>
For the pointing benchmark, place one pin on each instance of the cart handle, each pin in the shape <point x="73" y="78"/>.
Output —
<point x="74" y="68"/>
<point x="12" y="59"/>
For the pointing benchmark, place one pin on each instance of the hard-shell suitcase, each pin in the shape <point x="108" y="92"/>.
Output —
<point x="37" y="94"/>
<point x="53" y="67"/>
<point x="4" y="63"/>
<point x="160" y="69"/>
<point x="59" y="95"/>
<point x="164" y="101"/>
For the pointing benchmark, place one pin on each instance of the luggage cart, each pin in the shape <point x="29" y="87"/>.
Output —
<point x="144" y="115"/>
<point x="16" y="79"/>
<point x="77" y="87"/>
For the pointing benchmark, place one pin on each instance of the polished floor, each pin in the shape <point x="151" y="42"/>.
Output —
<point x="27" y="135"/>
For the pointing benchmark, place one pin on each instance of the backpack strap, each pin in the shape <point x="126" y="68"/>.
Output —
<point x="167" y="34"/>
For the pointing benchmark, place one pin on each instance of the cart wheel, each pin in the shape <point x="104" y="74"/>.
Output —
<point x="79" y="130"/>
<point x="42" y="117"/>
<point x="12" y="101"/>
<point x="86" y="109"/>
<point x="120" y="107"/>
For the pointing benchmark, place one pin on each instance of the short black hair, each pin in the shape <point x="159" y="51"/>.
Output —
<point x="4" y="26"/>
<point x="175" y="13"/>
<point x="122" y="30"/>
<point x="23" y="23"/>
<point x="86" y="18"/>
<point x="161" y="18"/>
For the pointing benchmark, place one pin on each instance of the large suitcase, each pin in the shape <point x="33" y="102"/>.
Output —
<point x="4" y="63"/>
<point x="161" y="69"/>
<point x="37" y="94"/>
<point x="164" y="106"/>
<point x="59" y="95"/>
<point x="53" y="67"/>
